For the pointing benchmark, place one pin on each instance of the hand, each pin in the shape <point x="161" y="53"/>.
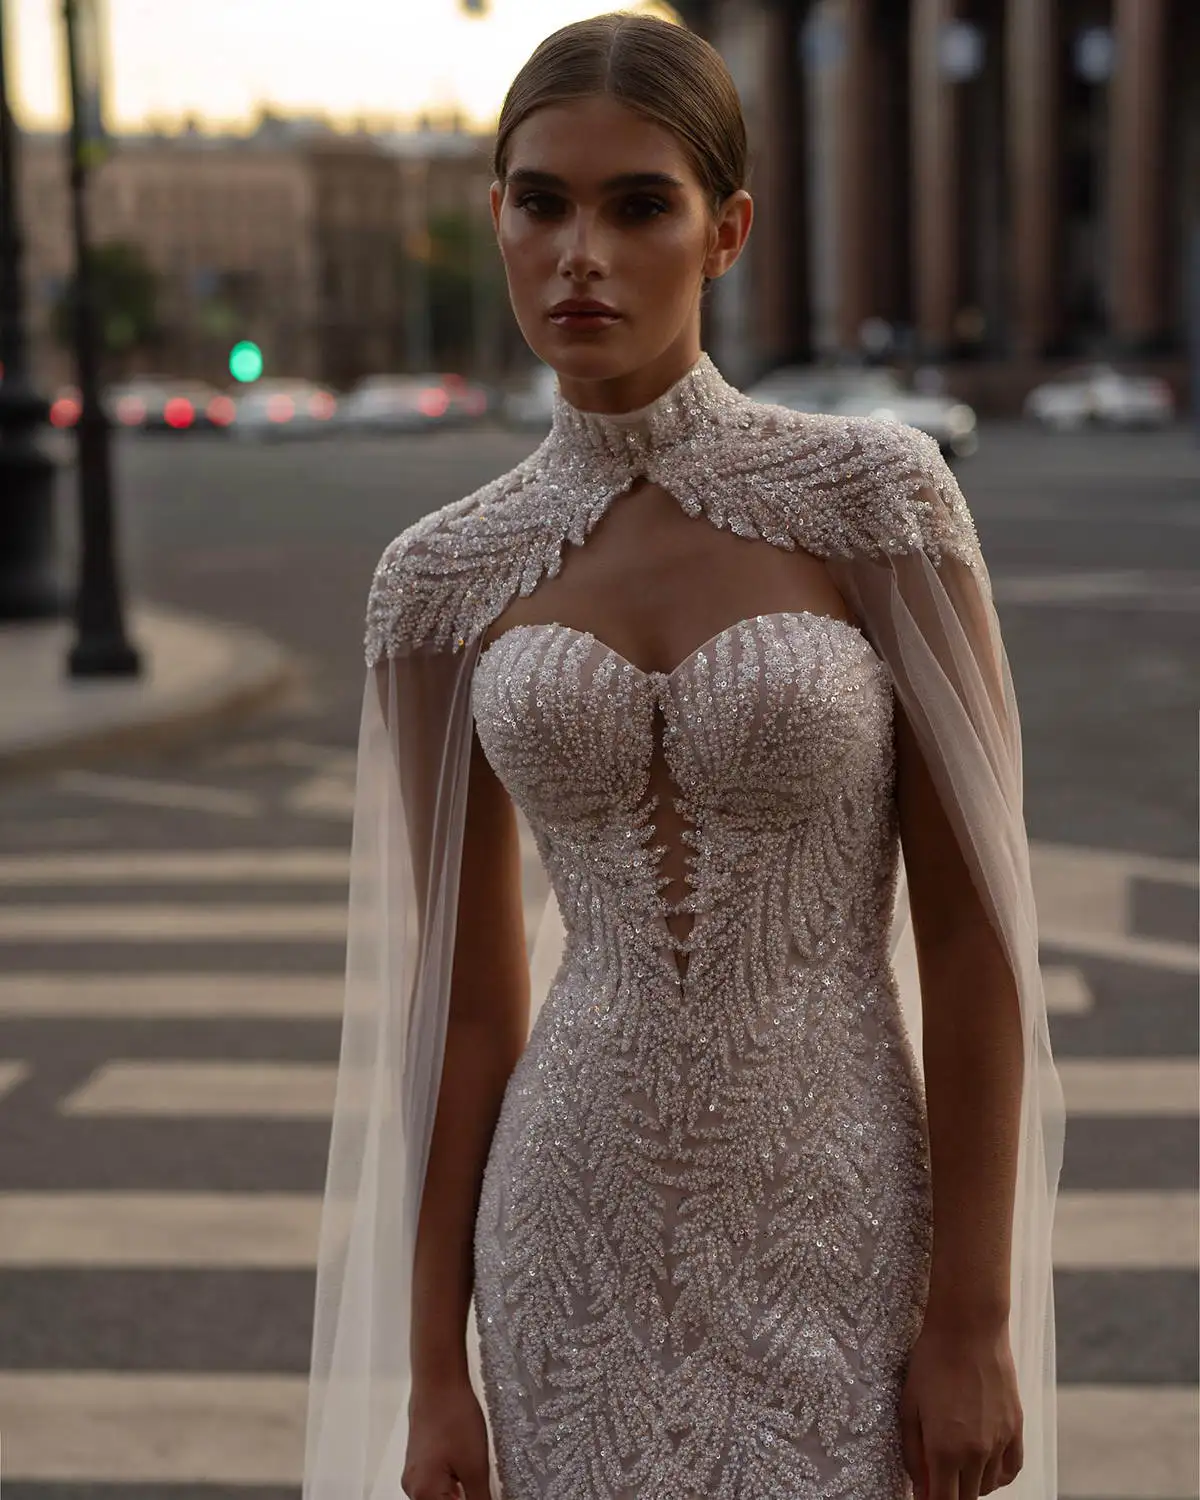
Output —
<point x="447" y="1454"/>
<point x="960" y="1413"/>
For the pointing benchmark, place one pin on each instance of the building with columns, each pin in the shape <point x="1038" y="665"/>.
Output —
<point x="1001" y="185"/>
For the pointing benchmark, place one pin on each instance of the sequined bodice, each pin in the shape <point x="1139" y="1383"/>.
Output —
<point x="776" y="743"/>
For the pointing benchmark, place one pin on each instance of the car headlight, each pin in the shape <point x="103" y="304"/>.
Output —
<point x="960" y="420"/>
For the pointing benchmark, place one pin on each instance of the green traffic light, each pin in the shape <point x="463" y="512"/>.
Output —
<point x="245" y="362"/>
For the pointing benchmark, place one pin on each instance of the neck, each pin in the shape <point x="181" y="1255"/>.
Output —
<point x="634" y="389"/>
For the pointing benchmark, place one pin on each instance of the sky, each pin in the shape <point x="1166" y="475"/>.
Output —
<point x="220" y="59"/>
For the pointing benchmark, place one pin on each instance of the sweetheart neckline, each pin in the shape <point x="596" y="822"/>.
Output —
<point x="779" y="614"/>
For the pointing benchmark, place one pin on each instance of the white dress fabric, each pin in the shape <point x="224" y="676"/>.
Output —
<point x="702" y="1243"/>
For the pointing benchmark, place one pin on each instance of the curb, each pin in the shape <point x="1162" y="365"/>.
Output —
<point x="199" y="676"/>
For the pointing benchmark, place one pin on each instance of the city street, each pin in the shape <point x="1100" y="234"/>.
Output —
<point x="171" y="934"/>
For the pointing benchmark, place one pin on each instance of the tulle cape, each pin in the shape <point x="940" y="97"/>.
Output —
<point x="933" y="622"/>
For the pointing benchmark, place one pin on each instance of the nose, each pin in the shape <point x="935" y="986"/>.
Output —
<point x="582" y="255"/>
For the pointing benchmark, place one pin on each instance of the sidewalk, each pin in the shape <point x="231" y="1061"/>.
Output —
<point x="196" y="675"/>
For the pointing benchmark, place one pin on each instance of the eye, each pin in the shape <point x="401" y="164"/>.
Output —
<point x="643" y="206"/>
<point x="540" y="205"/>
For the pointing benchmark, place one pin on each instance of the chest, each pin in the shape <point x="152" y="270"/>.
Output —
<point x="653" y="583"/>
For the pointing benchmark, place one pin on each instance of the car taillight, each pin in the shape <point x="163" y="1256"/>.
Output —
<point x="280" y="409"/>
<point x="65" y="412"/>
<point x="179" y="412"/>
<point x="221" y="411"/>
<point x="322" y="406"/>
<point x="433" y="402"/>
<point x="130" y="411"/>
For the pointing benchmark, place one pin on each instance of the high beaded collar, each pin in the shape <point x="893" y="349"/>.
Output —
<point x="698" y="400"/>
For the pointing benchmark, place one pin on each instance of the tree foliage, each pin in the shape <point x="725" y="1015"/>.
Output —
<point x="126" y="293"/>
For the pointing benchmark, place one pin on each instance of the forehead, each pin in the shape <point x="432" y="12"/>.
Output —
<point x="587" y="141"/>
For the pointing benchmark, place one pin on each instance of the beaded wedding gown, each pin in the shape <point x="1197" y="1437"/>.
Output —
<point x="702" y="1243"/>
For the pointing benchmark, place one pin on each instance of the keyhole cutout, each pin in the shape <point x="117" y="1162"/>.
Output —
<point x="672" y="830"/>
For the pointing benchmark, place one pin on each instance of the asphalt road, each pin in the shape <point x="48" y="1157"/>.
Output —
<point x="170" y="951"/>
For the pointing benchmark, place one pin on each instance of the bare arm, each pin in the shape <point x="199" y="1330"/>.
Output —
<point x="486" y="1030"/>
<point x="973" y="1058"/>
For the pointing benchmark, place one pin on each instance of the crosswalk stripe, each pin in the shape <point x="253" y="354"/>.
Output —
<point x="106" y="1428"/>
<point x="1149" y="953"/>
<point x="1128" y="1442"/>
<point x="169" y="996"/>
<point x="179" y="1231"/>
<point x="231" y="1090"/>
<point x="1131" y="1086"/>
<point x="1067" y="991"/>
<point x="1137" y="1087"/>
<point x="172" y="996"/>
<point x="1096" y="1231"/>
<point x="11" y="1074"/>
<point x="1115" y="1442"/>
<point x="152" y="922"/>
<point x="141" y="792"/>
<point x="198" y="866"/>
<point x="1092" y="1231"/>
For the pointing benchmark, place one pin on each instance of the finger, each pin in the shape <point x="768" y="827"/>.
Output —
<point x="1013" y="1461"/>
<point x="970" y="1473"/>
<point x="913" y="1453"/>
<point x="475" y="1485"/>
<point x="943" y="1477"/>
<point x="992" y="1474"/>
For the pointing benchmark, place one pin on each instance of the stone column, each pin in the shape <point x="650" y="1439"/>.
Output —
<point x="935" y="172"/>
<point x="1138" y="168"/>
<point x="779" y="241"/>
<point x="1031" y="111"/>
<point x="855" y="175"/>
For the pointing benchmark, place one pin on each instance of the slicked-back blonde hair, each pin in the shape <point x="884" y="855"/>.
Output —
<point x="663" y="71"/>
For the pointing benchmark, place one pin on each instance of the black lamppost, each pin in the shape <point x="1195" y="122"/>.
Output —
<point x="101" y="647"/>
<point x="28" y="583"/>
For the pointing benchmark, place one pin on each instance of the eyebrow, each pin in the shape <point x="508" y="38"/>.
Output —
<point x="531" y="177"/>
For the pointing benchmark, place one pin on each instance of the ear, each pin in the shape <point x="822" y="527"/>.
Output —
<point x="729" y="233"/>
<point x="496" y="198"/>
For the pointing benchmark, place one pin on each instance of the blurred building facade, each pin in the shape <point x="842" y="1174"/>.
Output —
<point x="294" y="236"/>
<point x="1003" y="183"/>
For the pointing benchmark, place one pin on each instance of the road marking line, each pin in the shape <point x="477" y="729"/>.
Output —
<point x="172" y="794"/>
<point x="1115" y="1442"/>
<point x="1128" y="1442"/>
<point x="153" y="923"/>
<point x="1127" y="1231"/>
<point x="12" y="1074"/>
<point x="1160" y="1086"/>
<point x="1149" y="953"/>
<point x="323" y="797"/>
<point x="1067" y="991"/>
<point x="173" y="996"/>
<point x="1092" y="1232"/>
<point x="161" y="1429"/>
<point x="179" y="1231"/>
<point x="199" y="866"/>
<point x="224" y="1090"/>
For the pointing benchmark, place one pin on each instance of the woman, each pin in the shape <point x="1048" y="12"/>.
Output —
<point x="726" y="1235"/>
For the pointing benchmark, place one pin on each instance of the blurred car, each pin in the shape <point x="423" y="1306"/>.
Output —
<point x="469" y="401"/>
<point x="531" y="406"/>
<point x="152" y="403"/>
<point x="874" y="393"/>
<point x="162" y="403"/>
<point x="398" y="403"/>
<point x="1102" y="395"/>
<point x="274" y="409"/>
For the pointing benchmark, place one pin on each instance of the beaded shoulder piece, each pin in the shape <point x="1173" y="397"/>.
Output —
<point x="831" y="485"/>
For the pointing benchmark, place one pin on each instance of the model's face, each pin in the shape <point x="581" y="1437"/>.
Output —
<point x="602" y="205"/>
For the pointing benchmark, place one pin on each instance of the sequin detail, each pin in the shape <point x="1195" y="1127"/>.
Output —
<point x="831" y="485"/>
<point x="701" y="1248"/>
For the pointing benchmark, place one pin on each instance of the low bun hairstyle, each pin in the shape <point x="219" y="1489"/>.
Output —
<point x="663" y="71"/>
